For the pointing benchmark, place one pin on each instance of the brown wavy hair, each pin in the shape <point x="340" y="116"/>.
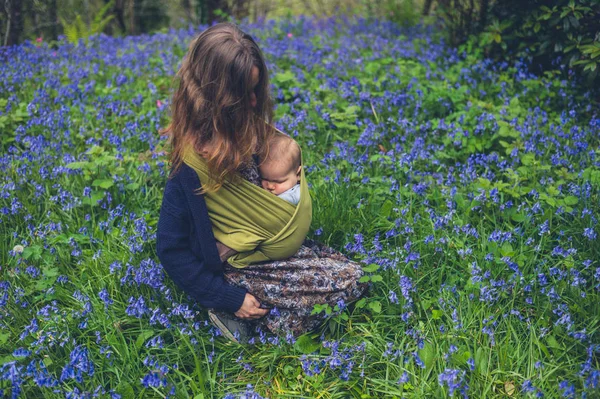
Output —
<point x="212" y="103"/>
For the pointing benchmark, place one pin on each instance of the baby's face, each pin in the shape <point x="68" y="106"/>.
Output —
<point x="278" y="178"/>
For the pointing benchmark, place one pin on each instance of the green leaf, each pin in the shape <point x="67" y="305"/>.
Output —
<point x="33" y="252"/>
<point x="427" y="355"/>
<point x="372" y="67"/>
<point x="518" y="217"/>
<point x="142" y="338"/>
<point x="553" y="343"/>
<point x="376" y="278"/>
<point x="386" y="208"/>
<point x="95" y="150"/>
<point x="571" y="200"/>
<point x="507" y="249"/>
<point x="47" y="361"/>
<point x="27" y="252"/>
<point x="528" y="159"/>
<point x="375" y="306"/>
<point x="543" y="347"/>
<point x="553" y="191"/>
<point x="466" y="356"/>
<point x="437" y="314"/>
<point x="364" y="279"/>
<point x="426" y="303"/>
<point x="371" y="268"/>
<point x="44" y="283"/>
<point x="361" y="303"/>
<point x="51" y="271"/>
<point x="125" y="390"/>
<point x="93" y="201"/>
<point x="549" y="200"/>
<point x="77" y="165"/>
<point x="284" y="77"/>
<point x="484" y="183"/>
<point x="506" y="130"/>
<point x="317" y="308"/>
<point x="103" y="183"/>
<point x="481" y="361"/>
<point x="306" y="345"/>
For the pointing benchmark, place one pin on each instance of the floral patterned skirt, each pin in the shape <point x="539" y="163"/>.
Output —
<point x="316" y="274"/>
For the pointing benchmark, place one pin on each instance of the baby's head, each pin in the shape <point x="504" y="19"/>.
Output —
<point x="280" y="171"/>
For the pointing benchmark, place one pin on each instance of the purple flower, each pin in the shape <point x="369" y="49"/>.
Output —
<point x="137" y="307"/>
<point x="589" y="233"/>
<point x="418" y="360"/>
<point x="455" y="380"/>
<point x="21" y="352"/>
<point x="103" y="294"/>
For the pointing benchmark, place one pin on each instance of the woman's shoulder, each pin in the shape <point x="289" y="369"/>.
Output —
<point x="180" y="180"/>
<point x="183" y="174"/>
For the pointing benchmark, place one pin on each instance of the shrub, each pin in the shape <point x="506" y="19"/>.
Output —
<point x="543" y="31"/>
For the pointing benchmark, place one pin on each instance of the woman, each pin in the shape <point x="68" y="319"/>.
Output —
<point x="222" y="109"/>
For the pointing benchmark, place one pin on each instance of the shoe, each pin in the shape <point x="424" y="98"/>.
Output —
<point x="238" y="331"/>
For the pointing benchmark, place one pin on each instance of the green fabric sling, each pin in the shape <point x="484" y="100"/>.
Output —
<point x="259" y="225"/>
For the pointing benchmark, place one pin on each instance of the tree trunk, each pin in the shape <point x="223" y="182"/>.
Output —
<point x="34" y="17"/>
<point x="241" y="9"/>
<point x="200" y="9"/>
<point x="53" y="19"/>
<point x="15" y="22"/>
<point x="118" y="11"/>
<point x="131" y="17"/>
<point x="483" y="12"/>
<point x="470" y="23"/>
<point x="427" y="7"/>
<point x="187" y="8"/>
<point x="212" y="6"/>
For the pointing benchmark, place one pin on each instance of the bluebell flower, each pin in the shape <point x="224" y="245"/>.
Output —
<point x="454" y="379"/>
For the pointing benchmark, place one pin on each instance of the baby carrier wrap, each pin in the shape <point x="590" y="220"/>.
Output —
<point x="258" y="225"/>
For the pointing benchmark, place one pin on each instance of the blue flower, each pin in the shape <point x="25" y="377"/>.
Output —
<point x="455" y="380"/>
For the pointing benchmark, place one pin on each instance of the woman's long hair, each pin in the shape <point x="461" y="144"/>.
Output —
<point x="213" y="103"/>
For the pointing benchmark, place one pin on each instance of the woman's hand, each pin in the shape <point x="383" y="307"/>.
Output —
<point x="224" y="251"/>
<point x="251" y="308"/>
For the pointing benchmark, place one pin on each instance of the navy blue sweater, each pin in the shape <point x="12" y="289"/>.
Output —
<point x="187" y="248"/>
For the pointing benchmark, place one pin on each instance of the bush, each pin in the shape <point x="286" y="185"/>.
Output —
<point x="544" y="31"/>
<point x="462" y="18"/>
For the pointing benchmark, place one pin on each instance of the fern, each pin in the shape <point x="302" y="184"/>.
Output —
<point x="79" y="30"/>
<point x="100" y="21"/>
<point x="72" y="31"/>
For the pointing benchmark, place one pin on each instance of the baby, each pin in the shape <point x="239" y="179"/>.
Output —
<point x="280" y="171"/>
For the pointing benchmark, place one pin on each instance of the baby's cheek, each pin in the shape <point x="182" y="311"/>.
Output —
<point x="263" y="183"/>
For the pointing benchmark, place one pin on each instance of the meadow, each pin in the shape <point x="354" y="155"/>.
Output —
<point x="468" y="188"/>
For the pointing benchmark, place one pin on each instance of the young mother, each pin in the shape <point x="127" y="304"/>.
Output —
<point x="223" y="110"/>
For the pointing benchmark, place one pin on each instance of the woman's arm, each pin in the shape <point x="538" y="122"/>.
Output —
<point x="189" y="272"/>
